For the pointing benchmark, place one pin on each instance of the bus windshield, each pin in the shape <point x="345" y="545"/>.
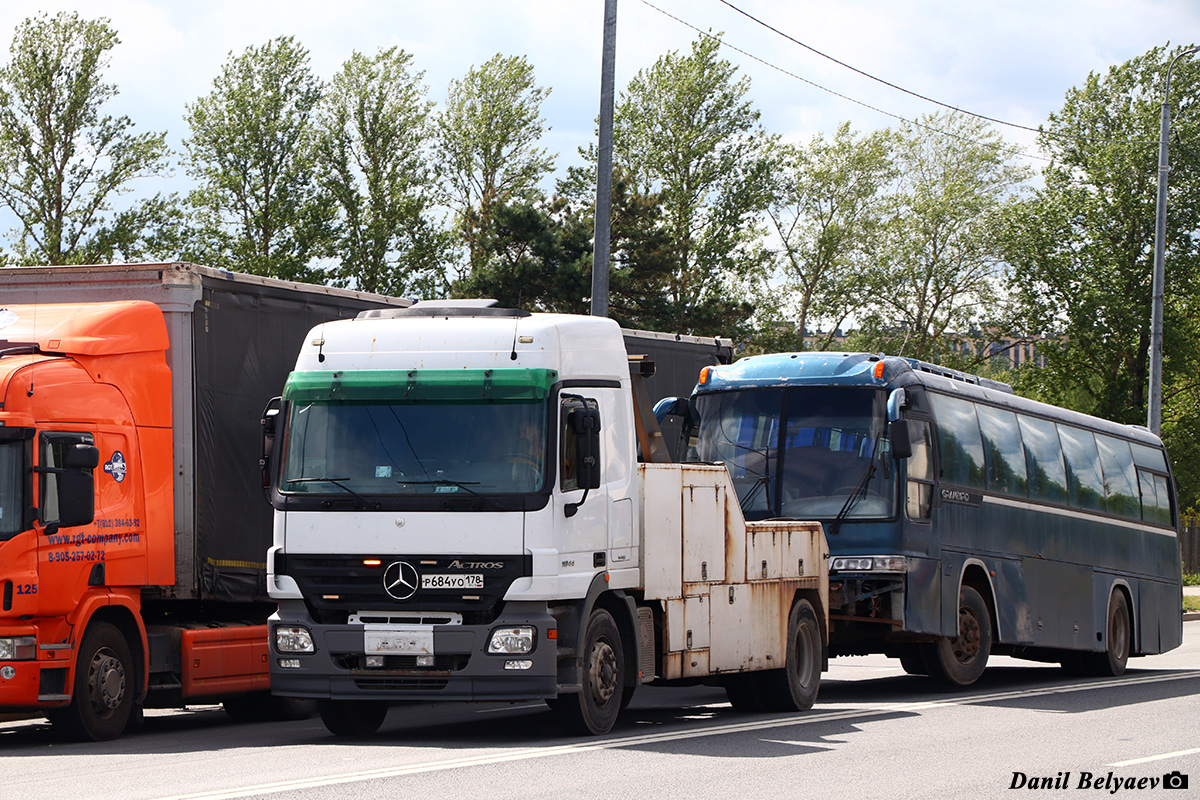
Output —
<point x="802" y="452"/>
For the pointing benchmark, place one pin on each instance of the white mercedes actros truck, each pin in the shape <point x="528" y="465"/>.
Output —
<point x="462" y="513"/>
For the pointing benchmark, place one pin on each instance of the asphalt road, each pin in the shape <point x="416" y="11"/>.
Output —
<point x="874" y="732"/>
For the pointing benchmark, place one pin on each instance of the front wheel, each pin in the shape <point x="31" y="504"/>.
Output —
<point x="594" y="709"/>
<point x="961" y="660"/>
<point x="794" y="688"/>
<point x="104" y="687"/>
<point x="352" y="717"/>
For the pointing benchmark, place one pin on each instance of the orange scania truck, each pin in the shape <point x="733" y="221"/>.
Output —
<point x="133" y="532"/>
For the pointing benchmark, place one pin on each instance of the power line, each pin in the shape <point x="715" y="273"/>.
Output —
<point x="1010" y="150"/>
<point x="919" y="96"/>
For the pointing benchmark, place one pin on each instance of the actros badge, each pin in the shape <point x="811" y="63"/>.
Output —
<point x="400" y="580"/>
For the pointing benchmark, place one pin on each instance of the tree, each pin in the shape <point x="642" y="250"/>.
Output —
<point x="828" y="205"/>
<point x="488" y="138"/>
<point x="63" y="162"/>
<point x="938" y="266"/>
<point x="372" y="161"/>
<point x="252" y="153"/>
<point x="1082" y="249"/>
<point x="684" y="128"/>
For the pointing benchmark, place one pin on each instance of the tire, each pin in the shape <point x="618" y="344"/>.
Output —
<point x="1118" y="641"/>
<point x="961" y="660"/>
<point x="352" y="717"/>
<point x="912" y="661"/>
<point x="593" y="711"/>
<point x="795" y="687"/>
<point x="743" y="694"/>
<point x="264" y="707"/>
<point x="104" y="687"/>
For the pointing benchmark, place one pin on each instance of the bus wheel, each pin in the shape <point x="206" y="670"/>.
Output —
<point x="594" y="709"/>
<point x="912" y="661"/>
<point x="352" y="717"/>
<point x="1112" y="661"/>
<point x="961" y="660"/>
<point x="104" y="687"/>
<point x="794" y="688"/>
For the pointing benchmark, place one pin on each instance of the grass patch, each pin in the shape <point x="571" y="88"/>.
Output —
<point x="1191" y="603"/>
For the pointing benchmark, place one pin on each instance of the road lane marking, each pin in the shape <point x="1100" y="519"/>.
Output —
<point x="528" y="753"/>
<point x="1161" y="757"/>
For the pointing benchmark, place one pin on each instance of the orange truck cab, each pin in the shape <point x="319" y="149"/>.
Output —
<point x="133" y="531"/>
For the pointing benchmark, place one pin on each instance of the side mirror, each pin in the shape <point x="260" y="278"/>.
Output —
<point x="900" y="438"/>
<point x="670" y="407"/>
<point x="82" y="456"/>
<point x="268" y="426"/>
<point x="76" y="496"/>
<point x="585" y="423"/>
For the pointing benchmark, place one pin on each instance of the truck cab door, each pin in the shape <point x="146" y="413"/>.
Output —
<point x="581" y="499"/>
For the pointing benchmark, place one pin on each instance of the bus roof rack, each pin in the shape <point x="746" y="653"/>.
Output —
<point x="958" y="375"/>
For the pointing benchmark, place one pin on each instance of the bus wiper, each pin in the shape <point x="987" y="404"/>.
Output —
<point x="758" y="484"/>
<point x="860" y="491"/>
<point x="338" y="483"/>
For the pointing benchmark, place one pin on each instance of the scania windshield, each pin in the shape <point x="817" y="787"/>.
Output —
<point x="424" y="433"/>
<point x="805" y="452"/>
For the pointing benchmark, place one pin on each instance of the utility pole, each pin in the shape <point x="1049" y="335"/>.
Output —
<point x="601" y="255"/>
<point x="1154" y="414"/>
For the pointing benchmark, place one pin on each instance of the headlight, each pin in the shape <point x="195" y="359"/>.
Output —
<point x="870" y="564"/>
<point x="512" y="640"/>
<point x="19" y="648"/>
<point x="293" y="640"/>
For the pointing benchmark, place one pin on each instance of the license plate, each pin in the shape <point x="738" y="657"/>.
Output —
<point x="400" y="641"/>
<point x="442" y="581"/>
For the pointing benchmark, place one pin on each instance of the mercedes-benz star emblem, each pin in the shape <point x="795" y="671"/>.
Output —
<point x="400" y="580"/>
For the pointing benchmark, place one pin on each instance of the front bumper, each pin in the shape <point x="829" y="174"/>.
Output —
<point x="463" y="669"/>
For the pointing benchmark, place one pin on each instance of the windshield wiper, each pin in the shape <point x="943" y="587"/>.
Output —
<point x="860" y="491"/>
<point x="464" y="485"/>
<point x="338" y="483"/>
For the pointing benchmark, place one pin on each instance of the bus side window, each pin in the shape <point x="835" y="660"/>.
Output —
<point x="919" y="489"/>
<point x="1156" y="498"/>
<point x="960" y="445"/>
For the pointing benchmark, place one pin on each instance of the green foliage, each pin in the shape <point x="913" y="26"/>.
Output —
<point x="63" y="161"/>
<point x="372" y="161"/>
<point x="252" y="153"/>
<point x="938" y="263"/>
<point x="1082" y="251"/>
<point x="487" y="138"/>
<point x="683" y="128"/>
<point x="828" y="206"/>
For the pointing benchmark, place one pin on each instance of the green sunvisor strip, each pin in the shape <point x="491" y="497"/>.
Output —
<point x="421" y="385"/>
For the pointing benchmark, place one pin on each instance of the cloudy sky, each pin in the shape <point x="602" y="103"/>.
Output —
<point x="1012" y="60"/>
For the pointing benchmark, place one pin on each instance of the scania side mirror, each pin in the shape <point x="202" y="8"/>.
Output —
<point x="268" y="426"/>
<point x="900" y="438"/>
<point x="76" y="497"/>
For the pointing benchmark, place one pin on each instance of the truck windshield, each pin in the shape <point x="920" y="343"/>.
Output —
<point x="804" y="452"/>
<point x="12" y="483"/>
<point x="465" y="433"/>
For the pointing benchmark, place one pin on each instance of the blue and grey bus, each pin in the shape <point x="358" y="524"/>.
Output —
<point x="963" y="520"/>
